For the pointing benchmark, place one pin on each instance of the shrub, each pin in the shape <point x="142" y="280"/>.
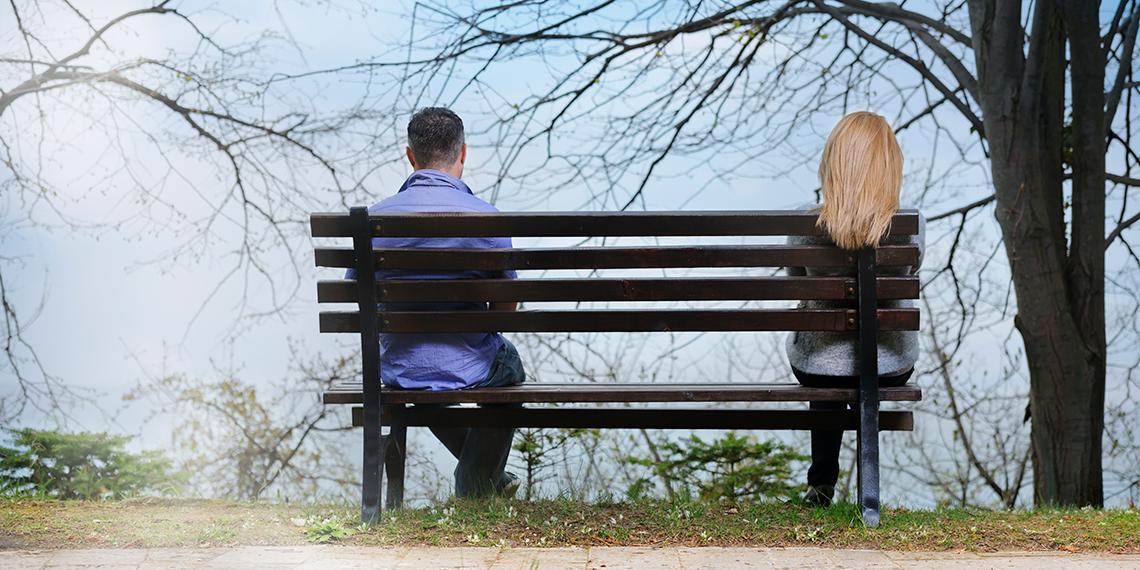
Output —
<point x="80" y="466"/>
<point x="730" y="468"/>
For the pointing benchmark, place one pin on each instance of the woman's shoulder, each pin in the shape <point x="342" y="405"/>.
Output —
<point x="808" y="240"/>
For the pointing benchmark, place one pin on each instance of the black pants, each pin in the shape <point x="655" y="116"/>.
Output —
<point x="825" y="444"/>
<point x="482" y="452"/>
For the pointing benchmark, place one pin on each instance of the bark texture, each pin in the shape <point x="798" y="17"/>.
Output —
<point x="1059" y="285"/>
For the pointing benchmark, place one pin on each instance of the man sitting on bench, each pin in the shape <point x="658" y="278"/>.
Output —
<point x="437" y="152"/>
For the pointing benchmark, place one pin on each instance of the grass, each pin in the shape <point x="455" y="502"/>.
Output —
<point x="167" y="522"/>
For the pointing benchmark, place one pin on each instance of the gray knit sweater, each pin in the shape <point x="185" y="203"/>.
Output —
<point x="836" y="354"/>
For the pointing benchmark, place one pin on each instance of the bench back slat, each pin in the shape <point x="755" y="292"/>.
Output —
<point x="617" y="257"/>
<point x="603" y="289"/>
<point x="618" y="320"/>
<point x="564" y="224"/>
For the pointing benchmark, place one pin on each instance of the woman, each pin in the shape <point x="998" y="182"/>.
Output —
<point x="860" y="174"/>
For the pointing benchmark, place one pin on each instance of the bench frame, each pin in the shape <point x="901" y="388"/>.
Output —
<point x="389" y="451"/>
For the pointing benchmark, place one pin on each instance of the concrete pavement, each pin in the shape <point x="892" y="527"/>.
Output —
<point x="607" y="558"/>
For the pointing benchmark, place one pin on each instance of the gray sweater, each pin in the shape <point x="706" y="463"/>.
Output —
<point x="836" y="353"/>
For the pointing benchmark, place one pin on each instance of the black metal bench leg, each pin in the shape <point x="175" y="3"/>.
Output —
<point x="868" y="450"/>
<point x="868" y="445"/>
<point x="375" y="446"/>
<point x="375" y="443"/>
<point x="395" y="459"/>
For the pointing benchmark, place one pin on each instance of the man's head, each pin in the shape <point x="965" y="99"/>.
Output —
<point x="435" y="141"/>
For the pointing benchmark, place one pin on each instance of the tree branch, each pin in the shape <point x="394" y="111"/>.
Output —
<point x="86" y="48"/>
<point x="915" y="64"/>
<point x="963" y="209"/>
<point x="955" y="65"/>
<point x="1128" y="48"/>
<point x="1125" y="180"/>
<point x="1119" y="229"/>
<point x="895" y="12"/>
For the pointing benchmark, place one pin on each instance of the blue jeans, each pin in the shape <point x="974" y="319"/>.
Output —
<point x="483" y="452"/>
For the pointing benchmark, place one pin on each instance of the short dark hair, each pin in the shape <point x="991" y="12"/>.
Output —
<point x="435" y="135"/>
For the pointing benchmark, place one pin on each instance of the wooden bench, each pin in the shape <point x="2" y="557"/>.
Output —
<point x="374" y="406"/>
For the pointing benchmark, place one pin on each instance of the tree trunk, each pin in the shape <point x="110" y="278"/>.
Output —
<point x="1085" y="269"/>
<point x="1060" y="296"/>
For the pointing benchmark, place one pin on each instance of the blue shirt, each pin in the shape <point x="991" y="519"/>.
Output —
<point x="436" y="361"/>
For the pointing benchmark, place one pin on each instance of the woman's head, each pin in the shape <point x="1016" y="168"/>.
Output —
<point x="860" y="174"/>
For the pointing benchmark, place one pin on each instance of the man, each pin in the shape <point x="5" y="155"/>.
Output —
<point x="437" y="153"/>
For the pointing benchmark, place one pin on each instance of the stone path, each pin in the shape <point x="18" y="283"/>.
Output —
<point x="608" y="558"/>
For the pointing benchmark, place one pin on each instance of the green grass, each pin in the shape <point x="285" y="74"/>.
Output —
<point x="153" y="523"/>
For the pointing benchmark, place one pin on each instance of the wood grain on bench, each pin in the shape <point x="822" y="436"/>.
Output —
<point x="572" y="224"/>
<point x="616" y="257"/>
<point x="352" y="393"/>
<point x="617" y="289"/>
<point x="635" y="418"/>
<point x="617" y="320"/>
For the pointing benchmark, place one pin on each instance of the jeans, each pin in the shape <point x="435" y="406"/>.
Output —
<point x="825" y="444"/>
<point x="482" y="452"/>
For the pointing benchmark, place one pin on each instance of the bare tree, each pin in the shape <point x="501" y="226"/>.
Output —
<point x="1020" y="88"/>
<point x="238" y="441"/>
<point x="198" y="103"/>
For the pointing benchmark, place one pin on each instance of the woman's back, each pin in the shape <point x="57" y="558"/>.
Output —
<point x="860" y="176"/>
<point x="836" y="353"/>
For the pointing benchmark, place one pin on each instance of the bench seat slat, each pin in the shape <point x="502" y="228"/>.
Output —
<point x="574" y="224"/>
<point x="619" y="320"/>
<point x="638" y="418"/>
<point x="615" y="257"/>
<point x="352" y="393"/>
<point x="602" y="289"/>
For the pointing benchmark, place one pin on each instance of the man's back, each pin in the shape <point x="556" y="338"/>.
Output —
<point x="431" y="361"/>
<point x="437" y="152"/>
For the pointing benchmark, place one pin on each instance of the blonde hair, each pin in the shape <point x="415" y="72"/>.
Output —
<point x="860" y="174"/>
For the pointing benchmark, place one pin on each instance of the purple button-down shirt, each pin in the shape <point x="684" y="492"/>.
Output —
<point x="436" y="361"/>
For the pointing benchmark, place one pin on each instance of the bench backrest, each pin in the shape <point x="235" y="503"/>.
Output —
<point x="864" y="290"/>
<point x="378" y="306"/>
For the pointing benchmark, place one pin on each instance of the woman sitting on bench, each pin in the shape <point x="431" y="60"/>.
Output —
<point x="860" y="174"/>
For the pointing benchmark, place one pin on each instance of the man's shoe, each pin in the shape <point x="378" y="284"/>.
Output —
<point x="819" y="496"/>
<point x="509" y="485"/>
